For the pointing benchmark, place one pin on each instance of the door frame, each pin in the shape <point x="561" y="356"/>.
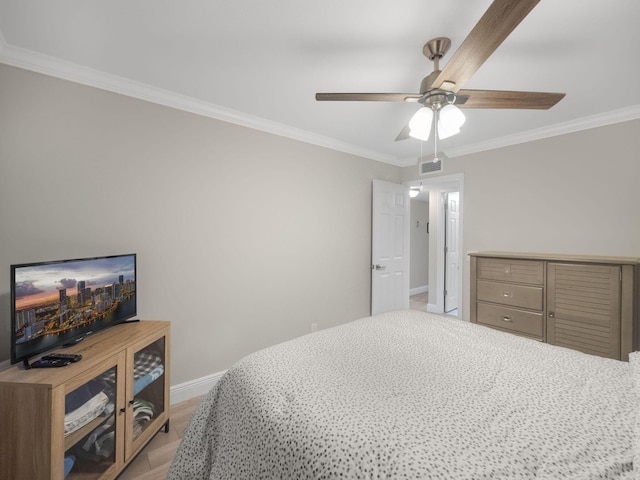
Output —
<point x="437" y="186"/>
<point x="452" y="288"/>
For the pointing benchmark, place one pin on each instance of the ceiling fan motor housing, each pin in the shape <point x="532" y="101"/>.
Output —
<point x="437" y="98"/>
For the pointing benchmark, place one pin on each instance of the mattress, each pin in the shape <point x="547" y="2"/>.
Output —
<point x="414" y="395"/>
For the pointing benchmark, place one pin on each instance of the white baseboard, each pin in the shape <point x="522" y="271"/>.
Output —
<point x="193" y="388"/>
<point x="417" y="290"/>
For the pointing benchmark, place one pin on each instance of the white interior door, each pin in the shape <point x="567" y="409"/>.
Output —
<point x="390" y="247"/>
<point x="452" y="251"/>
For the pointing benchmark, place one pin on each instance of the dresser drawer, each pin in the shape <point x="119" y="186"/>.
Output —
<point x="505" y="269"/>
<point x="518" y="321"/>
<point x="510" y="294"/>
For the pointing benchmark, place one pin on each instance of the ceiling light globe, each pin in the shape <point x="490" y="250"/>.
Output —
<point x="451" y="116"/>
<point x="420" y="124"/>
<point x="446" y="131"/>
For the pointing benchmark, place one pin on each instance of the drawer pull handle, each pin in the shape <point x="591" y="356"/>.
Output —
<point x="507" y="294"/>
<point x="506" y="319"/>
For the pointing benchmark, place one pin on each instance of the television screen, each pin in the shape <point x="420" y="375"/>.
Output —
<point x="60" y="302"/>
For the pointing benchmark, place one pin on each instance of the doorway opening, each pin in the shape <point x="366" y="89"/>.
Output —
<point x="443" y="292"/>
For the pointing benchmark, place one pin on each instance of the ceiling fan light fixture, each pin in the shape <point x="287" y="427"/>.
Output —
<point x="420" y="124"/>
<point x="450" y="119"/>
<point x="440" y="88"/>
<point x="452" y="115"/>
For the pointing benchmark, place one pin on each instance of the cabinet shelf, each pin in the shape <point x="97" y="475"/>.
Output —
<point x="73" y="438"/>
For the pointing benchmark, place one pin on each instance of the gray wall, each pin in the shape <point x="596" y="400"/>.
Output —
<point x="243" y="238"/>
<point x="577" y="193"/>
<point x="419" y="238"/>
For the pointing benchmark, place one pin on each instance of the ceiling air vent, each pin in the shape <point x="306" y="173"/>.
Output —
<point x="428" y="167"/>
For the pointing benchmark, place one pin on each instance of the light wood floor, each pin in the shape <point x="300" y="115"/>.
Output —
<point x="153" y="462"/>
<point x="419" y="301"/>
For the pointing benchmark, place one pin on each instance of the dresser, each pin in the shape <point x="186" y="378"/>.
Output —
<point x="587" y="303"/>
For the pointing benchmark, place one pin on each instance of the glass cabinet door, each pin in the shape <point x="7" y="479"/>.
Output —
<point x="92" y="423"/>
<point x="147" y="398"/>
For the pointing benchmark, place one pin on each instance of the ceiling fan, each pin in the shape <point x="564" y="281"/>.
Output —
<point x="441" y="91"/>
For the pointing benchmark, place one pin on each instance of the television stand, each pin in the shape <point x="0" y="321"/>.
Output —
<point x="34" y="443"/>
<point x="75" y="341"/>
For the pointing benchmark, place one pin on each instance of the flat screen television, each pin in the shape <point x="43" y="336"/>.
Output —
<point x="61" y="302"/>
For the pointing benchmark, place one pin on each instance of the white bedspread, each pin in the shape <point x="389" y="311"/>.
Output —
<point x="414" y="395"/>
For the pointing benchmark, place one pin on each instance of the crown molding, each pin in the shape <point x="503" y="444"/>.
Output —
<point x="47" y="65"/>
<point x="37" y="62"/>
<point x="608" y="118"/>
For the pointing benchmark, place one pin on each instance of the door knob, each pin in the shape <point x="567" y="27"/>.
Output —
<point x="378" y="267"/>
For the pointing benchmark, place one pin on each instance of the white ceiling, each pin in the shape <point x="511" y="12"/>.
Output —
<point x="259" y="63"/>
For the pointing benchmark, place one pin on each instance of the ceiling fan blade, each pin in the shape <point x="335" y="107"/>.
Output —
<point x="508" y="99"/>
<point x="368" y="97"/>
<point x="404" y="133"/>
<point x="502" y="17"/>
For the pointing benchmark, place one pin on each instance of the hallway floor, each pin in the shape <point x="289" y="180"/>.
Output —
<point x="419" y="301"/>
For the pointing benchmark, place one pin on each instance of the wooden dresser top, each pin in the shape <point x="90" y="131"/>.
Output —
<point x="559" y="257"/>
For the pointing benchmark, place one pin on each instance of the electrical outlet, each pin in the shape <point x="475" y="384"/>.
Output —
<point x="314" y="327"/>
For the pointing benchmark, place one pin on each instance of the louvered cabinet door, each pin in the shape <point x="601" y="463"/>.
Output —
<point x="583" y="308"/>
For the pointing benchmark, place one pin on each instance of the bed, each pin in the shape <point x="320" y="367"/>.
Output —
<point x="410" y="394"/>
